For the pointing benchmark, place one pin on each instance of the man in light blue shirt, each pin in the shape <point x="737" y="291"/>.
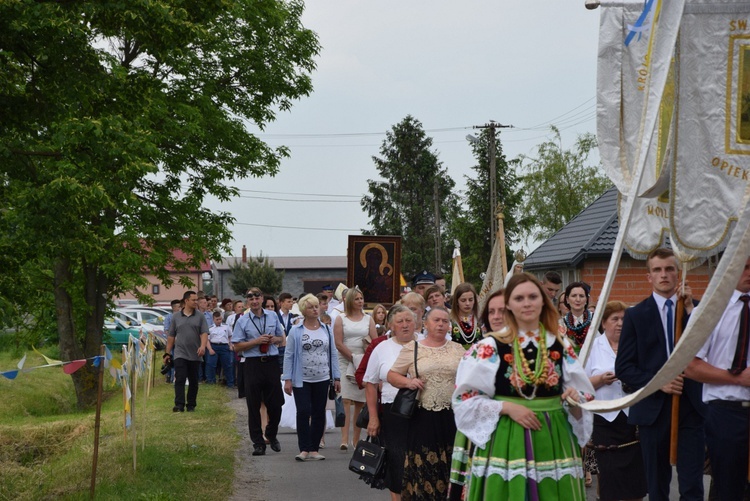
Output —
<point x="257" y="336"/>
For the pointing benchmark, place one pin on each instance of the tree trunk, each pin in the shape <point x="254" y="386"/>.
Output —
<point x="84" y="379"/>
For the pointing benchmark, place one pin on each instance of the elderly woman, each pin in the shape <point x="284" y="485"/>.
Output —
<point x="352" y="330"/>
<point x="429" y="441"/>
<point x="616" y="445"/>
<point x="466" y="329"/>
<point x="511" y="397"/>
<point x="310" y="363"/>
<point x="391" y="428"/>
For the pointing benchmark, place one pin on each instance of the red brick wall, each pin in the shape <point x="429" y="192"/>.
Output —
<point x="631" y="285"/>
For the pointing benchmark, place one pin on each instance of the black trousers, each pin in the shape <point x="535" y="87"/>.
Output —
<point x="186" y="369"/>
<point x="727" y="441"/>
<point x="691" y="447"/>
<point x="262" y="378"/>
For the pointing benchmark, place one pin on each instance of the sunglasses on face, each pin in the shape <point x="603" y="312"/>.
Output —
<point x="253" y="294"/>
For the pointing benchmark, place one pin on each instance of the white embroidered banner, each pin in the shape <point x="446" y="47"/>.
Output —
<point x="712" y="167"/>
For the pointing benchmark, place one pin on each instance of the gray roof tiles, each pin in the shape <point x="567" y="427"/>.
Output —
<point x="591" y="233"/>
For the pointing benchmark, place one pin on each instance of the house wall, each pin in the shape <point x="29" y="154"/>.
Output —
<point x="631" y="285"/>
<point x="165" y="294"/>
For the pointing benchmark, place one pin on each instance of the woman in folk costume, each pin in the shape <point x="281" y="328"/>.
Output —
<point x="511" y="401"/>
<point x="578" y="319"/>
<point x="577" y="322"/>
<point x="466" y="325"/>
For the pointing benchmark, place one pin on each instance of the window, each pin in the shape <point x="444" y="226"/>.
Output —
<point x="155" y="289"/>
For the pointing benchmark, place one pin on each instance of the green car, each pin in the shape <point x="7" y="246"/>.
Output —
<point x="117" y="333"/>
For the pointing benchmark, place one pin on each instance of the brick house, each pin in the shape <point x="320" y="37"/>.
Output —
<point x="162" y="294"/>
<point x="581" y="250"/>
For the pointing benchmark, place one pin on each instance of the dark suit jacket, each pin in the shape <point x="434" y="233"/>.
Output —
<point x="642" y="351"/>
<point x="288" y="325"/>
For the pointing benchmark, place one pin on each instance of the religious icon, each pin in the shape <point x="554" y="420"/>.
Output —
<point x="374" y="266"/>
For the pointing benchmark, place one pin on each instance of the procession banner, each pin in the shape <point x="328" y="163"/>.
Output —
<point x="711" y="169"/>
<point x="635" y="103"/>
<point x="493" y="277"/>
<point x="704" y="318"/>
<point x="628" y="155"/>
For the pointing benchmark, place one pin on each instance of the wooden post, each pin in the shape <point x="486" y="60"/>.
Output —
<point x="124" y="383"/>
<point x="501" y="239"/>
<point x="675" y="424"/>
<point x="133" y="391"/>
<point x="97" y="421"/>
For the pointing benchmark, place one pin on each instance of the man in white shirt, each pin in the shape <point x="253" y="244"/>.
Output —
<point x="721" y="365"/>
<point x="220" y="351"/>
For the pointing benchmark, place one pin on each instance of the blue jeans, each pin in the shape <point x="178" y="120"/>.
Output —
<point x="311" y="414"/>
<point x="224" y="356"/>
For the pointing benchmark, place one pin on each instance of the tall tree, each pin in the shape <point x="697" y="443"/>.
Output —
<point x="472" y="227"/>
<point x="557" y="184"/>
<point x="118" y="119"/>
<point x="403" y="201"/>
<point x="256" y="272"/>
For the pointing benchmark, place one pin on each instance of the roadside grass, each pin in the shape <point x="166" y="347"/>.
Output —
<point x="46" y="444"/>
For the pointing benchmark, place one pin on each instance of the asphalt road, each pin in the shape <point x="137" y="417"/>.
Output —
<point x="278" y="477"/>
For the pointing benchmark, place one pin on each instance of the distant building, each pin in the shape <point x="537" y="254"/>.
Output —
<point x="581" y="250"/>
<point x="164" y="295"/>
<point x="301" y="274"/>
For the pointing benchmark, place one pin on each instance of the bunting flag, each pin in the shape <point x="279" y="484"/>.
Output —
<point x="14" y="373"/>
<point x="712" y="126"/>
<point x="50" y="361"/>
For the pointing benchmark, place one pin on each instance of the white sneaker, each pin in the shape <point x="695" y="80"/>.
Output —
<point x="314" y="456"/>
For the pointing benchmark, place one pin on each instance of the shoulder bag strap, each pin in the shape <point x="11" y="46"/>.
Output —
<point x="330" y="352"/>
<point x="416" y="372"/>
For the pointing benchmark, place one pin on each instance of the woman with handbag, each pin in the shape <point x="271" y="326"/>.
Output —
<point x="392" y="429"/>
<point x="512" y="397"/>
<point x="350" y="330"/>
<point x="310" y="366"/>
<point x="432" y="365"/>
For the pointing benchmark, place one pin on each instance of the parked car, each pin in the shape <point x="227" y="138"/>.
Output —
<point x="117" y="333"/>
<point x="131" y="320"/>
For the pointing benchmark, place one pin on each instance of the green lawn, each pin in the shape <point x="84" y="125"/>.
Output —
<point x="46" y="444"/>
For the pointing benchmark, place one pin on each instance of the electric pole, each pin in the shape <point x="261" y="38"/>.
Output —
<point x="492" y="125"/>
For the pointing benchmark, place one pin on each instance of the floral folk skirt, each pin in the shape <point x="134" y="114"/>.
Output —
<point x="428" y="455"/>
<point x="523" y="464"/>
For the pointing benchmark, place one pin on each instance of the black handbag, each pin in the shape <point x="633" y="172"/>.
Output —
<point x="368" y="459"/>
<point x="363" y="419"/>
<point x="406" y="399"/>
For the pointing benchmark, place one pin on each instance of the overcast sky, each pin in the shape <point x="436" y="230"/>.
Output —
<point x="449" y="64"/>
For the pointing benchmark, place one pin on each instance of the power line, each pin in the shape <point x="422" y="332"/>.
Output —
<point x="295" y="193"/>
<point x="306" y="200"/>
<point x="356" y="134"/>
<point x="298" y="227"/>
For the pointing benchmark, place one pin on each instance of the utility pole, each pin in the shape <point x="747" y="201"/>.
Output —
<point x="436" y="199"/>
<point x="492" y="125"/>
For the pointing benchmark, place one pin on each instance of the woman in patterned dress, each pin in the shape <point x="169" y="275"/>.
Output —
<point x="466" y="328"/>
<point x="578" y="319"/>
<point x="511" y="401"/>
<point x="352" y="330"/>
<point x="429" y="438"/>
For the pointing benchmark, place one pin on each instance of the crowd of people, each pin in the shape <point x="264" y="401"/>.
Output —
<point x="498" y="384"/>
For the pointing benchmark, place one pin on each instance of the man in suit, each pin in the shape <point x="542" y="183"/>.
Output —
<point x="646" y="342"/>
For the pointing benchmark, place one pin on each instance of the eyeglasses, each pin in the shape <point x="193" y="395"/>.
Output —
<point x="253" y="294"/>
